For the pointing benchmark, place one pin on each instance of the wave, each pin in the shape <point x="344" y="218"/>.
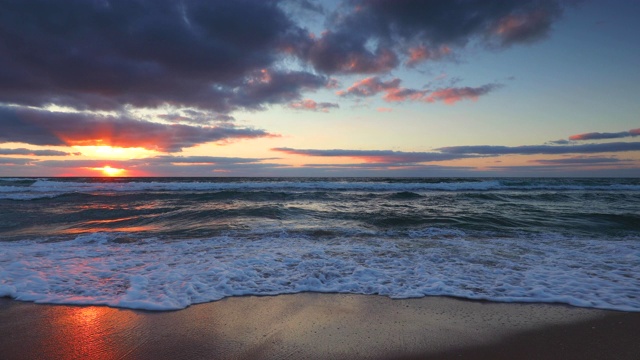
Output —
<point x="145" y="273"/>
<point x="29" y="189"/>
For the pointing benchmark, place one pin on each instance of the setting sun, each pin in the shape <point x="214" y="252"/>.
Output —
<point x="109" y="171"/>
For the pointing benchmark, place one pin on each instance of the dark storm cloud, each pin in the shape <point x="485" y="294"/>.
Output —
<point x="23" y="151"/>
<point x="366" y="36"/>
<point x="145" y="53"/>
<point x="196" y="117"/>
<point x="542" y="149"/>
<point x="376" y="156"/>
<point x="346" y="53"/>
<point x="39" y="127"/>
<point x="208" y="54"/>
<point x="211" y="57"/>
<point x="603" y="136"/>
<point x="272" y="87"/>
<point x="305" y="5"/>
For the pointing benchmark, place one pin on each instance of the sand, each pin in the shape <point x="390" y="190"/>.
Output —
<point x="319" y="326"/>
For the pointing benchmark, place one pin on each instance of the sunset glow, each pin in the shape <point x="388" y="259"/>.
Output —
<point x="330" y="88"/>
<point x="109" y="171"/>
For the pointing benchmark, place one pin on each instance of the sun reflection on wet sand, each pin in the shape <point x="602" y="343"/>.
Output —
<point x="90" y="332"/>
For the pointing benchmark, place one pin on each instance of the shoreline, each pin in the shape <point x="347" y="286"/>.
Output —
<point x="319" y="325"/>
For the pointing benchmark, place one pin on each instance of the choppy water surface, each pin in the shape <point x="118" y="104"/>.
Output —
<point x="166" y="243"/>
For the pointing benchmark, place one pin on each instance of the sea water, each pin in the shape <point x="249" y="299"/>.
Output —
<point x="167" y="243"/>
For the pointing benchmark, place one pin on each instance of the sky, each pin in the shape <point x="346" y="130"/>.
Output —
<point x="389" y="88"/>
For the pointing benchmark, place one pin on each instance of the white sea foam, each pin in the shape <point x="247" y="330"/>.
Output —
<point x="159" y="275"/>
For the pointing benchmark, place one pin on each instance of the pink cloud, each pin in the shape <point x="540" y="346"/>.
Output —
<point x="384" y="109"/>
<point x="311" y="105"/>
<point x="395" y="93"/>
<point x="340" y="53"/>
<point x="404" y="94"/>
<point x="421" y="53"/>
<point x="376" y="156"/>
<point x="525" y="27"/>
<point x="602" y="136"/>
<point x="454" y="94"/>
<point x="370" y="86"/>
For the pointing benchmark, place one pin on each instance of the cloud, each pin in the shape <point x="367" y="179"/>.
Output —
<point x="421" y="53"/>
<point x="370" y="86"/>
<point x="455" y="94"/>
<point x="274" y="87"/>
<point x="306" y="5"/>
<point x="221" y="55"/>
<point x="559" y="142"/>
<point x="580" y="161"/>
<point x="164" y="159"/>
<point x="148" y="53"/>
<point x="14" y="161"/>
<point x="23" y="151"/>
<point x="154" y="161"/>
<point x="195" y="117"/>
<point x="525" y="27"/>
<point x="347" y="53"/>
<point x="39" y="127"/>
<point x="375" y="156"/>
<point x="368" y="36"/>
<point x="395" y="93"/>
<point x="162" y="166"/>
<point x="575" y="170"/>
<point x="311" y="105"/>
<point x="602" y="136"/>
<point x="203" y="59"/>
<point x="541" y="149"/>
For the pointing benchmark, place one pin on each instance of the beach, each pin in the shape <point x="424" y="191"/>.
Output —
<point x="319" y="326"/>
<point x="318" y="268"/>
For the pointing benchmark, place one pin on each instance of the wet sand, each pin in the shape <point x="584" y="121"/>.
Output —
<point x="319" y="326"/>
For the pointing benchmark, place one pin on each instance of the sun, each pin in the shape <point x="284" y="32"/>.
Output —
<point x="109" y="171"/>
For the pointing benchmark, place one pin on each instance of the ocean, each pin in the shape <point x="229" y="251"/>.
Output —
<point x="167" y="243"/>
